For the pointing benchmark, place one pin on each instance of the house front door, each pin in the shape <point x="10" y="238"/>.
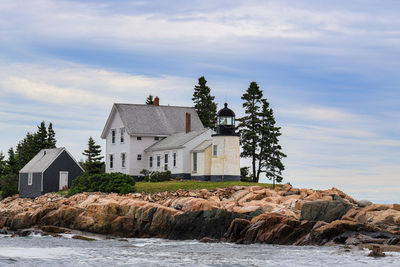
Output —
<point x="63" y="180"/>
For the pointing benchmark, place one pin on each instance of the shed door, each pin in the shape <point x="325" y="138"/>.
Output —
<point x="63" y="180"/>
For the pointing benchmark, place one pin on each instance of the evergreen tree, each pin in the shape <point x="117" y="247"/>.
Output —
<point x="41" y="136"/>
<point x="150" y="100"/>
<point x="2" y="164"/>
<point x="270" y="157"/>
<point x="93" y="163"/>
<point x="250" y="124"/>
<point x="9" y="180"/>
<point x="259" y="136"/>
<point x="204" y="104"/>
<point x="51" y="137"/>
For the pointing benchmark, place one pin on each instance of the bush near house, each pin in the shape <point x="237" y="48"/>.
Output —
<point x="156" y="176"/>
<point x="103" y="182"/>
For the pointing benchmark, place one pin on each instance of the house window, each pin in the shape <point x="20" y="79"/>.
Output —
<point x="113" y="136"/>
<point x="139" y="138"/>
<point x="215" y="150"/>
<point x="111" y="161"/>
<point x="194" y="161"/>
<point x="151" y="162"/>
<point x="174" y="159"/>
<point x="156" y="138"/>
<point x="123" y="157"/>
<point x="165" y="167"/>
<point x="139" y="157"/>
<point x="122" y="131"/>
<point x="165" y="158"/>
<point x="158" y="161"/>
<point x="30" y="178"/>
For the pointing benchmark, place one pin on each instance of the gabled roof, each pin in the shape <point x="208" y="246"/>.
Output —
<point x="142" y="119"/>
<point x="202" y="146"/>
<point x="43" y="160"/>
<point x="176" y="141"/>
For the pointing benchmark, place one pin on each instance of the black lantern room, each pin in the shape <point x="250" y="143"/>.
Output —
<point x="226" y="121"/>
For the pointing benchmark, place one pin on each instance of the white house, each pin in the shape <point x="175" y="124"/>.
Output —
<point x="159" y="138"/>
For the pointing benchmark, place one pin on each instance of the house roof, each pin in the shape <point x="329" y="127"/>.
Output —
<point x="175" y="141"/>
<point x="203" y="145"/>
<point x="42" y="160"/>
<point x="142" y="119"/>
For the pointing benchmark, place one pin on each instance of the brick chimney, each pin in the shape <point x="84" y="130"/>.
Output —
<point x="188" y="122"/>
<point x="156" y="101"/>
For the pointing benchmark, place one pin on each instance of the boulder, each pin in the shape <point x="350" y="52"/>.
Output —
<point x="364" y="203"/>
<point x="326" y="211"/>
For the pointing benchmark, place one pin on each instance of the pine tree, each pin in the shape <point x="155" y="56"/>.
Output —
<point x="259" y="136"/>
<point x="2" y="164"/>
<point x="270" y="157"/>
<point x="9" y="180"/>
<point x="51" y="137"/>
<point x="250" y="124"/>
<point x="41" y="136"/>
<point x="150" y="100"/>
<point x="204" y="104"/>
<point x="93" y="163"/>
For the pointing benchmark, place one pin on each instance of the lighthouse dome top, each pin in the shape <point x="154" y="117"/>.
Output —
<point x="226" y="112"/>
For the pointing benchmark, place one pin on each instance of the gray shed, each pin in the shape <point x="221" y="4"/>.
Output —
<point x="49" y="171"/>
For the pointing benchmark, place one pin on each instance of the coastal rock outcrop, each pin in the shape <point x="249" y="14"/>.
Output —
<point x="239" y="214"/>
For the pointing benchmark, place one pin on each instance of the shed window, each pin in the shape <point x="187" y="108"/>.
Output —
<point x="139" y="157"/>
<point x="122" y="132"/>
<point x="139" y="138"/>
<point x="123" y="159"/>
<point x="158" y="161"/>
<point x="113" y="136"/>
<point x="194" y="161"/>
<point x="111" y="161"/>
<point x="215" y="150"/>
<point x="174" y="159"/>
<point x="151" y="162"/>
<point x="30" y="178"/>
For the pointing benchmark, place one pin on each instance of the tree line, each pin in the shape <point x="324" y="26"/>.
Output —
<point x="259" y="135"/>
<point x="27" y="148"/>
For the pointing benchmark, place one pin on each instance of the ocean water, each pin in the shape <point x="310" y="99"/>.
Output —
<point x="65" y="251"/>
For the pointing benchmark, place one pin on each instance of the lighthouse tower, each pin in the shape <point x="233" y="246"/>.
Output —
<point x="225" y="159"/>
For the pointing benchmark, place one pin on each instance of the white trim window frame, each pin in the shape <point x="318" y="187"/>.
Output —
<point x="113" y="135"/>
<point x="30" y="178"/>
<point x="111" y="161"/>
<point x="123" y="160"/>
<point x="158" y="161"/>
<point x="151" y="162"/>
<point x="174" y="159"/>
<point x="215" y="150"/>
<point x="194" y="162"/>
<point x="122" y="133"/>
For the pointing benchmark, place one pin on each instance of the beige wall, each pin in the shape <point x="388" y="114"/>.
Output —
<point x="227" y="161"/>
<point x="203" y="162"/>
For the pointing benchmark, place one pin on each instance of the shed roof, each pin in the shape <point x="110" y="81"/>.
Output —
<point x="175" y="141"/>
<point x="142" y="119"/>
<point x="42" y="160"/>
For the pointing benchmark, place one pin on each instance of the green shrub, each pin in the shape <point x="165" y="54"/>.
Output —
<point x="9" y="185"/>
<point x="156" y="176"/>
<point x="103" y="182"/>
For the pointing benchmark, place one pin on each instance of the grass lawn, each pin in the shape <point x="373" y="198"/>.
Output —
<point x="176" y="185"/>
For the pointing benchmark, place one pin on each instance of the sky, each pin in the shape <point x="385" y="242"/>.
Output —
<point x="330" y="70"/>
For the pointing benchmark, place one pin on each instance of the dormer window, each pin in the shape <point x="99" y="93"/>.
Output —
<point x="113" y="136"/>
<point x="122" y="132"/>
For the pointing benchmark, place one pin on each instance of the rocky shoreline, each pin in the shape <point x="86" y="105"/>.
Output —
<point x="245" y="215"/>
